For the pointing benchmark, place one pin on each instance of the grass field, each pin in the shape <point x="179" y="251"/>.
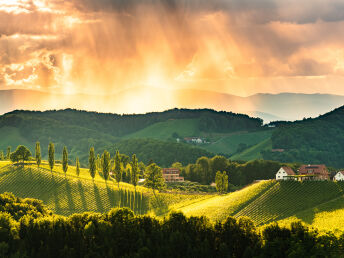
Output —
<point x="164" y="130"/>
<point x="13" y="138"/>
<point x="229" y="144"/>
<point x="254" y="151"/>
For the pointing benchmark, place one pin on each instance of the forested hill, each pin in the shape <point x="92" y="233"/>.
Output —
<point x="79" y="130"/>
<point x="318" y="140"/>
<point x="119" y="125"/>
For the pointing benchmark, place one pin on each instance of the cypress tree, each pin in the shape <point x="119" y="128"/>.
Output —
<point x="134" y="175"/>
<point x="92" y="163"/>
<point x="77" y="169"/>
<point x="51" y="156"/>
<point x="99" y="164"/>
<point x="106" y="164"/>
<point x="65" y="159"/>
<point x="38" y="154"/>
<point x="118" y="169"/>
<point x="8" y="153"/>
<point x="2" y="155"/>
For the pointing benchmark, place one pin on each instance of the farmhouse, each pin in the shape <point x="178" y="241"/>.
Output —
<point x="339" y="176"/>
<point x="285" y="173"/>
<point x="313" y="172"/>
<point x="172" y="175"/>
<point x="193" y="140"/>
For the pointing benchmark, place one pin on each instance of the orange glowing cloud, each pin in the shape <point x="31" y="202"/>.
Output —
<point x="100" y="47"/>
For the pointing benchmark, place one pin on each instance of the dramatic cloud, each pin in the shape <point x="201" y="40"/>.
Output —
<point x="110" y="46"/>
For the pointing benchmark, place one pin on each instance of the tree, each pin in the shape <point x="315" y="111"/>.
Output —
<point x="106" y="159"/>
<point x="142" y="168"/>
<point x="2" y="155"/>
<point x="77" y="166"/>
<point x="203" y="166"/>
<point x="38" y="154"/>
<point x="65" y="159"/>
<point x="154" y="178"/>
<point x="21" y="154"/>
<point x="51" y="156"/>
<point x="92" y="163"/>
<point x="134" y="173"/>
<point x="221" y="180"/>
<point x="99" y="164"/>
<point x="118" y="169"/>
<point x="8" y="153"/>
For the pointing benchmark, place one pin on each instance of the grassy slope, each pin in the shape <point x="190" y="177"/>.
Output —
<point x="319" y="204"/>
<point x="254" y="151"/>
<point x="328" y="216"/>
<point x="229" y="144"/>
<point x="12" y="138"/>
<point x="224" y="143"/>
<point x="164" y="130"/>
<point x="70" y="194"/>
<point x="219" y="207"/>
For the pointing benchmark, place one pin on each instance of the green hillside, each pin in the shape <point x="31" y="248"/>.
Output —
<point x="229" y="144"/>
<point x="254" y="152"/>
<point x="311" y="141"/>
<point x="80" y="130"/>
<point x="314" y="202"/>
<point x="70" y="194"/>
<point x="165" y="130"/>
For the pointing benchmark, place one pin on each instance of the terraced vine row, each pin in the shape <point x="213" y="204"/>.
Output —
<point x="285" y="199"/>
<point x="67" y="195"/>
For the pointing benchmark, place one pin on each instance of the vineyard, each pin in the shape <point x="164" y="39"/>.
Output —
<point x="66" y="195"/>
<point x="317" y="203"/>
<point x="314" y="202"/>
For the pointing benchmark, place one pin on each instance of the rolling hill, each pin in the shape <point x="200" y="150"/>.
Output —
<point x="319" y="204"/>
<point x="79" y="130"/>
<point x="315" y="203"/>
<point x="240" y="137"/>
<point x="318" y="140"/>
<point x="70" y="194"/>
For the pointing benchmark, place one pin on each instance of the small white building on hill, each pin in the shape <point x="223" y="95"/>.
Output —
<point x="285" y="173"/>
<point x="339" y="176"/>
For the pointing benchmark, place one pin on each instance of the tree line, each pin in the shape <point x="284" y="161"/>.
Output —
<point x="204" y="170"/>
<point x="28" y="229"/>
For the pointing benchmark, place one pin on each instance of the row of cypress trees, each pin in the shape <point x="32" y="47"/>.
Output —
<point x="100" y="164"/>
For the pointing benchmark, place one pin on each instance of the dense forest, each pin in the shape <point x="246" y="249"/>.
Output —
<point x="318" y="140"/>
<point x="80" y="130"/>
<point x="28" y="229"/>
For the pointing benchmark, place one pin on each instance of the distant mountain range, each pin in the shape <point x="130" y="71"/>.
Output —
<point x="269" y="107"/>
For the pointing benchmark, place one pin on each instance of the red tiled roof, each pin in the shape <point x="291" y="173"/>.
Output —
<point x="289" y="171"/>
<point x="313" y="169"/>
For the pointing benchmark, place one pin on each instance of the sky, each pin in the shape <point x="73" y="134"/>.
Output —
<point x="104" y="47"/>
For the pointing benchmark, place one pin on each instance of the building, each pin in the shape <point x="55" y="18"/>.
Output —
<point x="339" y="176"/>
<point x="285" y="173"/>
<point x="314" y="172"/>
<point x="172" y="175"/>
<point x="196" y="140"/>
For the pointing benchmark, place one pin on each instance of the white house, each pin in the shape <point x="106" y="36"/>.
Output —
<point x="284" y="172"/>
<point x="339" y="176"/>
